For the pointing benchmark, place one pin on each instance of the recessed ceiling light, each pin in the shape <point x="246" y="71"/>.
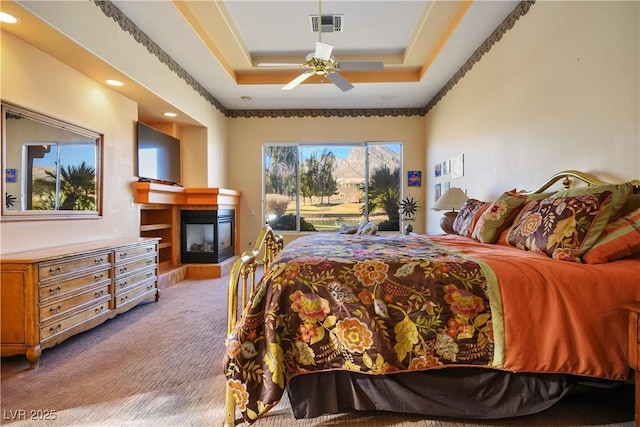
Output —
<point x="8" y="19"/>
<point x="170" y="114"/>
<point x="114" y="82"/>
<point x="246" y="98"/>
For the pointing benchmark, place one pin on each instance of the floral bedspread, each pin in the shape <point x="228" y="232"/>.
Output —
<point x="371" y="304"/>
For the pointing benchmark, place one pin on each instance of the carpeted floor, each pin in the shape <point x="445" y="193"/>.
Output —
<point x="161" y="365"/>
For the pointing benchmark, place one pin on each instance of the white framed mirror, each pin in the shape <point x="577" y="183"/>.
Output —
<point x="51" y="169"/>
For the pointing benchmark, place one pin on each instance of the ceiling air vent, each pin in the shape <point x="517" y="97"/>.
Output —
<point x="330" y="23"/>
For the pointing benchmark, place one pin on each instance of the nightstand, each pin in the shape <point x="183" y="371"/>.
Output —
<point x="634" y="348"/>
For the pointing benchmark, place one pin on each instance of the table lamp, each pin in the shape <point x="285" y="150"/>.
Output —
<point x="452" y="199"/>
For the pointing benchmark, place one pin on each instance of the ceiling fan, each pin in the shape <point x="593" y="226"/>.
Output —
<point x="321" y="62"/>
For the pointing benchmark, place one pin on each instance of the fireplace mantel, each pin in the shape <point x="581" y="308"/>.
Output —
<point x="152" y="193"/>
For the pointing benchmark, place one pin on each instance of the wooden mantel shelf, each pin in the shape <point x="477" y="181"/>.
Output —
<point x="152" y="193"/>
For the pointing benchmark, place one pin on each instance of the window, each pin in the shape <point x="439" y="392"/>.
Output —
<point x="320" y="187"/>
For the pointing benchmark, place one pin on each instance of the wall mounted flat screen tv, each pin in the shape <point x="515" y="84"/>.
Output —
<point x="158" y="155"/>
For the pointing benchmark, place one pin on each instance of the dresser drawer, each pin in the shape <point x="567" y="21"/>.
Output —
<point x="124" y="254"/>
<point x="59" y="289"/>
<point x="130" y="267"/>
<point x="125" y="283"/>
<point x="135" y="293"/>
<point x="52" y="329"/>
<point x="65" y="305"/>
<point x="57" y="269"/>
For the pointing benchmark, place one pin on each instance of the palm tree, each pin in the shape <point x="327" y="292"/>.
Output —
<point x="77" y="188"/>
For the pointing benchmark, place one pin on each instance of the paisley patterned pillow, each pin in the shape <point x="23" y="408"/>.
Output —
<point x="468" y="216"/>
<point x="562" y="228"/>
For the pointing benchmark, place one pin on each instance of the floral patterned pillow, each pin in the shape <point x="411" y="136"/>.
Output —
<point x="498" y="216"/>
<point x="562" y="228"/>
<point x="468" y="216"/>
<point x="620" y="194"/>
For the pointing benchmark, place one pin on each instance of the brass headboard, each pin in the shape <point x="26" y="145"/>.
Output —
<point x="587" y="178"/>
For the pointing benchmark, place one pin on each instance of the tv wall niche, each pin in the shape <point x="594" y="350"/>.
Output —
<point x="158" y="156"/>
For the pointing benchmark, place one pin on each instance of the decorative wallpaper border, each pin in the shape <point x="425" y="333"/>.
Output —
<point x="110" y="10"/>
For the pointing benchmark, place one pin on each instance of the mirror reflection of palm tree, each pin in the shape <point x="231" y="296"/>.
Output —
<point x="77" y="188"/>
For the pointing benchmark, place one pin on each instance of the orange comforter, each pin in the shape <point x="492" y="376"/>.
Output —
<point x="560" y="316"/>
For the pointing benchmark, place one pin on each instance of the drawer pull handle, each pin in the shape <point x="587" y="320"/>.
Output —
<point x="98" y="276"/>
<point x="56" y="328"/>
<point x="55" y="309"/>
<point x="123" y="255"/>
<point x="123" y="269"/>
<point x="55" y="270"/>
<point x="149" y="274"/>
<point x="99" y="293"/>
<point x="123" y="284"/>
<point x="149" y="261"/>
<point x="124" y="298"/>
<point x="99" y="309"/>
<point x="99" y="260"/>
<point x="149" y="249"/>
<point x="55" y="290"/>
<point x="149" y="287"/>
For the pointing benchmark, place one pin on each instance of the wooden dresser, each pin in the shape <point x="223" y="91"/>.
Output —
<point x="48" y="295"/>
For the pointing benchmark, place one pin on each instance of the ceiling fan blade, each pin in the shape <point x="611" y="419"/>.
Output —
<point x="361" y="65"/>
<point x="295" y="82"/>
<point x="278" y="64"/>
<point x="340" y="81"/>
<point x="323" y="51"/>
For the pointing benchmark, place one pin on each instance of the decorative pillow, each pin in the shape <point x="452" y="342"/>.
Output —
<point x="619" y="239"/>
<point x="632" y="204"/>
<point x="498" y="216"/>
<point x="538" y="196"/>
<point x="468" y="216"/>
<point x="620" y="194"/>
<point x="369" y="229"/>
<point x="348" y="229"/>
<point x="562" y="228"/>
<point x="363" y="223"/>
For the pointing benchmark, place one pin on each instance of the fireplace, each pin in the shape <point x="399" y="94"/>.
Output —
<point x="206" y="235"/>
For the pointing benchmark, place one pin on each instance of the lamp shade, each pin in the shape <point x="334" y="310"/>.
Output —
<point x="453" y="199"/>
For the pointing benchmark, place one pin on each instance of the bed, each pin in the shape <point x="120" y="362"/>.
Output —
<point x="522" y="305"/>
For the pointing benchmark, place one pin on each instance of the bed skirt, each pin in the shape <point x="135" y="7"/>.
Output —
<point x="473" y="393"/>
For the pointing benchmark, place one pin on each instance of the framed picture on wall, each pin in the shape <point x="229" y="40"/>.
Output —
<point x="438" y="170"/>
<point x="438" y="191"/>
<point x="457" y="166"/>
<point x="10" y="175"/>
<point x="414" y="178"/>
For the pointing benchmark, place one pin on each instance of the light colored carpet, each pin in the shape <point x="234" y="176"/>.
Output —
<point x="161" y="365"/>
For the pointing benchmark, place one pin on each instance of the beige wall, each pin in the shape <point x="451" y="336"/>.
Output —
<point x="37" y="82"/>
<point x="246" y="137"/>
<point x="559" y="91"/>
